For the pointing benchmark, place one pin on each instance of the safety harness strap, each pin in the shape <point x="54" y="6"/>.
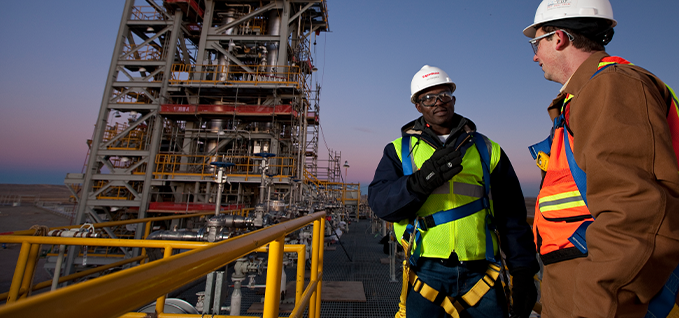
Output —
<point x="453" y="306"/>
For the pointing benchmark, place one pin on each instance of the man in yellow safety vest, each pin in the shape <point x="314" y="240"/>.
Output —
<point x="449" y="190"/>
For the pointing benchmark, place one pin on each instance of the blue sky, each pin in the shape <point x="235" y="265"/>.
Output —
<point x="54" y="61"/>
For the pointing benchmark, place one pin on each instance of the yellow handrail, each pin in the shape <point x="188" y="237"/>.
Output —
<point x="77" y="275"/>
<point x="113" y="295"/>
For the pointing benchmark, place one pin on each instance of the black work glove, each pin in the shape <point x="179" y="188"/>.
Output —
<point x="442" y="166"/>
<point x="524" y="293"/>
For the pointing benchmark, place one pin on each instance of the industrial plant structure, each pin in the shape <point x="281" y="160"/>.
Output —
<point x="193" y="82"/>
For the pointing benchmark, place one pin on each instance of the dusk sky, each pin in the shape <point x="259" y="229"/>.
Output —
<point x="55" y="57"/>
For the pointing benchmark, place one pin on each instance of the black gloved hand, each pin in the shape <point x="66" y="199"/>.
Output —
<point x="524" y="293"/>
<point x="442" y="166"/>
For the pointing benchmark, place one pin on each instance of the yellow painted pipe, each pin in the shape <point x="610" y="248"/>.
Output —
<point x="31" y="263"/>
<point x="160" y="302"/>
<point x="120" y="292"/>
<point x="19" y="272"/>
<point x="321" y="248"/>
<point x="314" y="264"/>
<point x="77" y="275"/>
<point x="48" y="240"/>
<point x="272" y="294"/>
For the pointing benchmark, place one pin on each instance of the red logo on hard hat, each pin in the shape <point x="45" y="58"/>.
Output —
<point x="430" y="74"/>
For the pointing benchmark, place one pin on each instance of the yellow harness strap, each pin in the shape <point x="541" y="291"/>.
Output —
<point x="451" y="305"/>
<point x="674" y="313"/>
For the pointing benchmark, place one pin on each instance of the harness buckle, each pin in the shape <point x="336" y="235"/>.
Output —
<point x="542" y="160"/>
<point x="422" y="223"/>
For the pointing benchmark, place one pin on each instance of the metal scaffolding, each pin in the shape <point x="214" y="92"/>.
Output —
<point x="192" y="82"/>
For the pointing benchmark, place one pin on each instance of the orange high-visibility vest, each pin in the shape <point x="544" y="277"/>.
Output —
<point x="561" y="207"/>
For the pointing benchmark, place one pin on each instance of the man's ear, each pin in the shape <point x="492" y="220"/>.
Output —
<point x="562" y="40"/>
<point x="418" y="107"/>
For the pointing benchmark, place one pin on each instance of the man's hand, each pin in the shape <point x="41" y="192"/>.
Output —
<point x="443" y="165"/>
<point x="524" y="294"/>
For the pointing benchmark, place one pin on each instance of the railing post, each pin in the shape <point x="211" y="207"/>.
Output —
<point x="160" y="302"/>
<point x="272" y="295"/>
<point x="19" y="272"/>
<point x="30" y="270"/>
<point x="314" y="266"/>
<point x="301" y="260"/>
<point x="321" y="246"/>
<point x="147" y="231"/>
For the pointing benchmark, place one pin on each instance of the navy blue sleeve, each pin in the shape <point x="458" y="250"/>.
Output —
<point x="516" y="235"/>
<point x="388" y="195"/>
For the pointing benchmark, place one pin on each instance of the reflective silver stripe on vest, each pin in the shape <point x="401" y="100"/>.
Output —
<point x="560" y="201"/>
<point x="411" y="156"/>
<point x="470" y="190"/>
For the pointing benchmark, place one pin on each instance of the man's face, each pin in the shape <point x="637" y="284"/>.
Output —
<point x="545" y="55"/>
<point x="439" y="114"/>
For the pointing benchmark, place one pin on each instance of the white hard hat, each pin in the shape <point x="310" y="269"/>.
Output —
<point x="429" y="76"/>
<point x="551" y="10"/>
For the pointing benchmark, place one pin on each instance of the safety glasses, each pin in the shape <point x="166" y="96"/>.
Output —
<point x="430" y="99"/>
<point x="535" y="42"/>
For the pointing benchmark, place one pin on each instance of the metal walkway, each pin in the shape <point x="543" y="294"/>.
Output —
<point x="382" y="295"/>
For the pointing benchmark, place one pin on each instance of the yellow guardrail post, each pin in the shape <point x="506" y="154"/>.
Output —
<point x="301" y="261"/>
<point x="272" y="294"/>
<point x="19" y="272"/>
<point x="147" y="231"/>
<point x="321" y="246"/>
<point x="314" y="266"/>
<point x="160" y="302"/>
<point x="30" y="269"/>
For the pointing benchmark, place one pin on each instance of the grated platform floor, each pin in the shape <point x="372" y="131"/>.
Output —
<point x="365" y="251"/>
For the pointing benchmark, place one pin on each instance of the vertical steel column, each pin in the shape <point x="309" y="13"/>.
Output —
<point x="272" y="295"/>
<point x="207" y="23"/>
<point x="158" y="126"/>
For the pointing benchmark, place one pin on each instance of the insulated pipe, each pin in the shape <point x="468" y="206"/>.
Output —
<point x="275" y="30"/>
<point x="236" y="298"/>
<point x="176" y="236"/>
<point x="57" y="268"/>
<point x="223" y="60"/>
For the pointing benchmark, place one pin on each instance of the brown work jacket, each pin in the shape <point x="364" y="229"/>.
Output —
<point x="623" y="143"/>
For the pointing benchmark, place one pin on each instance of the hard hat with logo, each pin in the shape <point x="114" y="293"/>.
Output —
<point x="429" y="76"/>
<point x="553" y="10"/>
